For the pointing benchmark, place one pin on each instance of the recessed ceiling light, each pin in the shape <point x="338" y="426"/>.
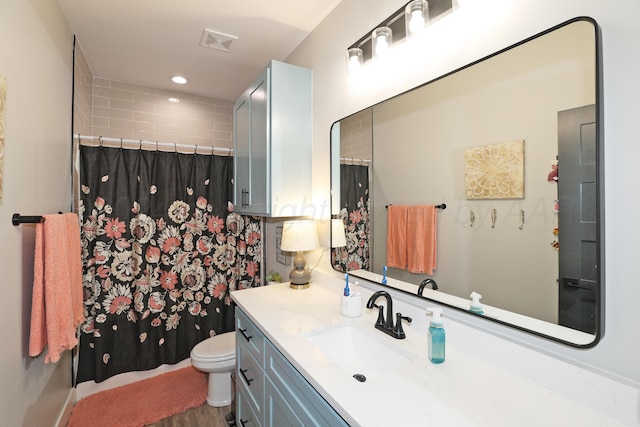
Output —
<point x="173" y="100"/>
<point x="179" y="80"/>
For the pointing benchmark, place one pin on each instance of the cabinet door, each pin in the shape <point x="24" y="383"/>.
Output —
<point x="251" y="127"/>
<point x="245" y="415"/>
<point x="260" y="172"/>
<point x="301" y="403"/>
<point x="242" y="154"/>
<point x="278" y="413"/>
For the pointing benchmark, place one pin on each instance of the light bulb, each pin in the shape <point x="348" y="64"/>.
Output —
<point x="416" y="15"/>
<point x="381" y="41"/>
<point x="354" y="61"/>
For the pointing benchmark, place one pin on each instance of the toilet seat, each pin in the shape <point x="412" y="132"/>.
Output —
<point x="218" y="348"/>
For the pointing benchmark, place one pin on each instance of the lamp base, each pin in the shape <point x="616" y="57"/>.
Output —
<point x="300" y="276"/>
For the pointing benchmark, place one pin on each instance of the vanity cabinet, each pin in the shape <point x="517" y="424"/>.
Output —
<point x="269" y="390"/>
<point x="272" y="143"/>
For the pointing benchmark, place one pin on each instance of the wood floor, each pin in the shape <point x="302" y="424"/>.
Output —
<point x="201" y="416"/>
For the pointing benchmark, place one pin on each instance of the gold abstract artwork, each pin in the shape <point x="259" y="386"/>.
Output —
<point x="3" y="94"/>
<point x="495" y="171"/>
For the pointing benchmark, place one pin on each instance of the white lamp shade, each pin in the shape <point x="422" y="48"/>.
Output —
<point x="299" y="236"/>
<point x="338" y="238"/>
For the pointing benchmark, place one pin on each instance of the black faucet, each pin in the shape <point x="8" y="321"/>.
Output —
<point x="424" y="283"/>
<point x="386" y="324"/>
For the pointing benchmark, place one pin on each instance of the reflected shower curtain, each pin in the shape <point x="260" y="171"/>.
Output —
<point x="162" y="249"/>
<point x="354" y="212"/>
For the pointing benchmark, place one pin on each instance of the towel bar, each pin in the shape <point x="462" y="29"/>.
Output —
<point x="442" y="206"/>
<point x="18" y="219"/>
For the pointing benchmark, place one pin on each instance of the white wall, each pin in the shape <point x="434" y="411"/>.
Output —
<point x="36" y="59"/>
<point x="497" y="24"/>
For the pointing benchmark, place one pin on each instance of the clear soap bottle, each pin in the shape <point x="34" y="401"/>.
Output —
<point x="436" y="336"/>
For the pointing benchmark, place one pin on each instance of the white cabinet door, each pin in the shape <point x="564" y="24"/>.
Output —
<point x="272" y="138"/>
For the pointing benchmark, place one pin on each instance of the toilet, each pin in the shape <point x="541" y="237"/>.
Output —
<point x="217" y="357"/>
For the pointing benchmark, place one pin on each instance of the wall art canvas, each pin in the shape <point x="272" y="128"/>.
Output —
<point x="3" y="97"/>
<point x="494" y="171"/>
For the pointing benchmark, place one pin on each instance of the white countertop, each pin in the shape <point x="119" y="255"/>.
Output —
<point x="463" y="391"/>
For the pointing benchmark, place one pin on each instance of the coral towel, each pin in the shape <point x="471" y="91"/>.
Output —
<point x="56" y="306"/>
<point x="397" y="236"/>
<point x="421" y="239"/>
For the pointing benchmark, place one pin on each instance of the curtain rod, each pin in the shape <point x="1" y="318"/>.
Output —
<point x="156" y="144"/>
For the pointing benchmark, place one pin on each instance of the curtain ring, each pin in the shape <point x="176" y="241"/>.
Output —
<point x="121" y="143"/>
<point x="157" y="147"/>
<point x="175" y="147"/>
<point x="196" y="150"/>
<point x="230" y="149"/>
<point x="100" y="141"/>
<point x="140" y="147"/>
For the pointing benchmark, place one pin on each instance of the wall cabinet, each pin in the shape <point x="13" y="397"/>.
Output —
<point x="272" y="143"/>
<point x="269" y="390"/>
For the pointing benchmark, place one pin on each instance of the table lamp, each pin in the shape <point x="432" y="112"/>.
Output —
<point x="299" y="236"/>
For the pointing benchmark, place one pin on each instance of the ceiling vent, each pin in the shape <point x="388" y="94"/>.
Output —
<point x="215" y="40"/>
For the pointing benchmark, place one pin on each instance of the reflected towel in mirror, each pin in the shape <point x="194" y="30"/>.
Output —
<point x="421" y="239"/>
<point x="411" y="238"/>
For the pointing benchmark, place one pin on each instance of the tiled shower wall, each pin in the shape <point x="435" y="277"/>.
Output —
<point x="356" y="136"/>
<point x="114" y="109"/>
<point x="82" y="94"/>
<point x="130" y="111"/>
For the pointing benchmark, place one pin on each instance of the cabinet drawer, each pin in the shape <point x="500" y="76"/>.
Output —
<point x="278" y="412"/>
<point x="302" y="399"/>
<point x="250" y="377"/>
<point x="245" y="416"/>
<point x="250" y="335"/>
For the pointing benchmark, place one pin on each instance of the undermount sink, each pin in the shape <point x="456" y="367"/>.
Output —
<point x="356" y="351"/>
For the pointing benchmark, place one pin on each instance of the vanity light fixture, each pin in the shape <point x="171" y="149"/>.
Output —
<point x="299" y="236"/>
<point x="405" y="22"/>
<point x="416" y="16"/>
<point x="180" y="80"/>
<point x="381" y="40"/>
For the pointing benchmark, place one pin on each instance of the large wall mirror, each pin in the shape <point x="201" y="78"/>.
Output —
<point x="509" y="148"/>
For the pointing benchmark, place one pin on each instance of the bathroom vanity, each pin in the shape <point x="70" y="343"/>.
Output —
<point x="306" y="364"/>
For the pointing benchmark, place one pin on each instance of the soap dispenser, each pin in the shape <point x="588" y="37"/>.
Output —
<point x="476" y="306"/>
<point x="436" y="336"/>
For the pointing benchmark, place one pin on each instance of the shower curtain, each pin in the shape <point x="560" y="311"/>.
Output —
<point x="354" y="212"/>
<point x="162" y="249"/>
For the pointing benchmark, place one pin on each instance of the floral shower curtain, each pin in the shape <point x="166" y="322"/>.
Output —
<point x="354" y="212"/>
<point x="162" y="249"/>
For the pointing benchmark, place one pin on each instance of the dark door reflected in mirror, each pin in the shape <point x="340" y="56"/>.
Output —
<point x="511" y="145"/>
